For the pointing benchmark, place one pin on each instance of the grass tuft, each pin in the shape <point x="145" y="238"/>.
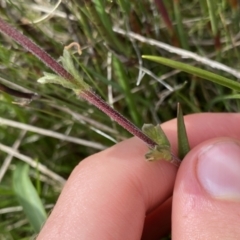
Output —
<point x="60" y="130"/>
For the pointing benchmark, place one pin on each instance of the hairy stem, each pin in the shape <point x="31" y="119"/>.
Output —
<point x="88" y="95"/>
<point x="97" y="101"/>
<point x="34" y="49"/>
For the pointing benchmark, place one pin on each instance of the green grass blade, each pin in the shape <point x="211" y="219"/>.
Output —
<point x="188" y="102"/>
<point x="213" y="14"/>
<point x="204" y="8"/>
<point x="123" y="82"/>
<point x="212" y="7"/>
<point x="235" y="12"/>
<point x="28" y="197"/>
<point x="95" y="18"/>
<point x="196" y="71"/>
<point x="222" y="99"/>
<point x="125" y="6"/>
<point x="179" y="22"/>
<point x="103" y="23"/>
<point x="183" y="143"/>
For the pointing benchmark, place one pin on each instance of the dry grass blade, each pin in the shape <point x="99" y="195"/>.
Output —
<point x="19" y="209"/>
<point x="48" y="15"/>
<point x="41" y="168"/>
<point x="181" y="52"/>
<point x="81" y="118"/>
<point x="8" y="159"/>
<point x="50" y="133"/>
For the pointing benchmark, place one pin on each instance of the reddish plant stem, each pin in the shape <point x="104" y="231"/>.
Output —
<point x="34" y="49"/>
<point x="88" y="95"/>
<point x="97" y="101"/>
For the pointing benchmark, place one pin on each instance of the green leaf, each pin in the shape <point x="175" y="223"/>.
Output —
<point x="196" y="71"/>
<point x="162" y="150"/>
<point x="222" y="99"/>
<point x="183" y="143"/>
<point x="53" y="78"/>
<point x="125" y="6"/>
<point x="28" y="197"/>
<point x="76" y="84"/>
<point x="68" y="64"/>
<point x="156" y="134"/>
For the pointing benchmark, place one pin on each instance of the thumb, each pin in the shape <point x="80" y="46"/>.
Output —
<point x="206" y="199"/>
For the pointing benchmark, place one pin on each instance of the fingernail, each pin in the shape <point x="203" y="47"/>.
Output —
<point x="218" y="170"/>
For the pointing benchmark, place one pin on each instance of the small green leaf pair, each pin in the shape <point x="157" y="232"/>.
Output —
<point x="76" y="84"/>
<point x="162" y="149"/>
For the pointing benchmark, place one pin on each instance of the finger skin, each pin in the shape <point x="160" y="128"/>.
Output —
<point x="197" y="214"/>
<point x="200" y="127"/>
<point x="109" y="193"/>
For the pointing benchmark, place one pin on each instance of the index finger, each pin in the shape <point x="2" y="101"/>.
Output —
<point x="108" y="195"/>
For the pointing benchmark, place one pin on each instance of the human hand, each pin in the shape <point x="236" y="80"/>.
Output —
<point x="109" y="194"/>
